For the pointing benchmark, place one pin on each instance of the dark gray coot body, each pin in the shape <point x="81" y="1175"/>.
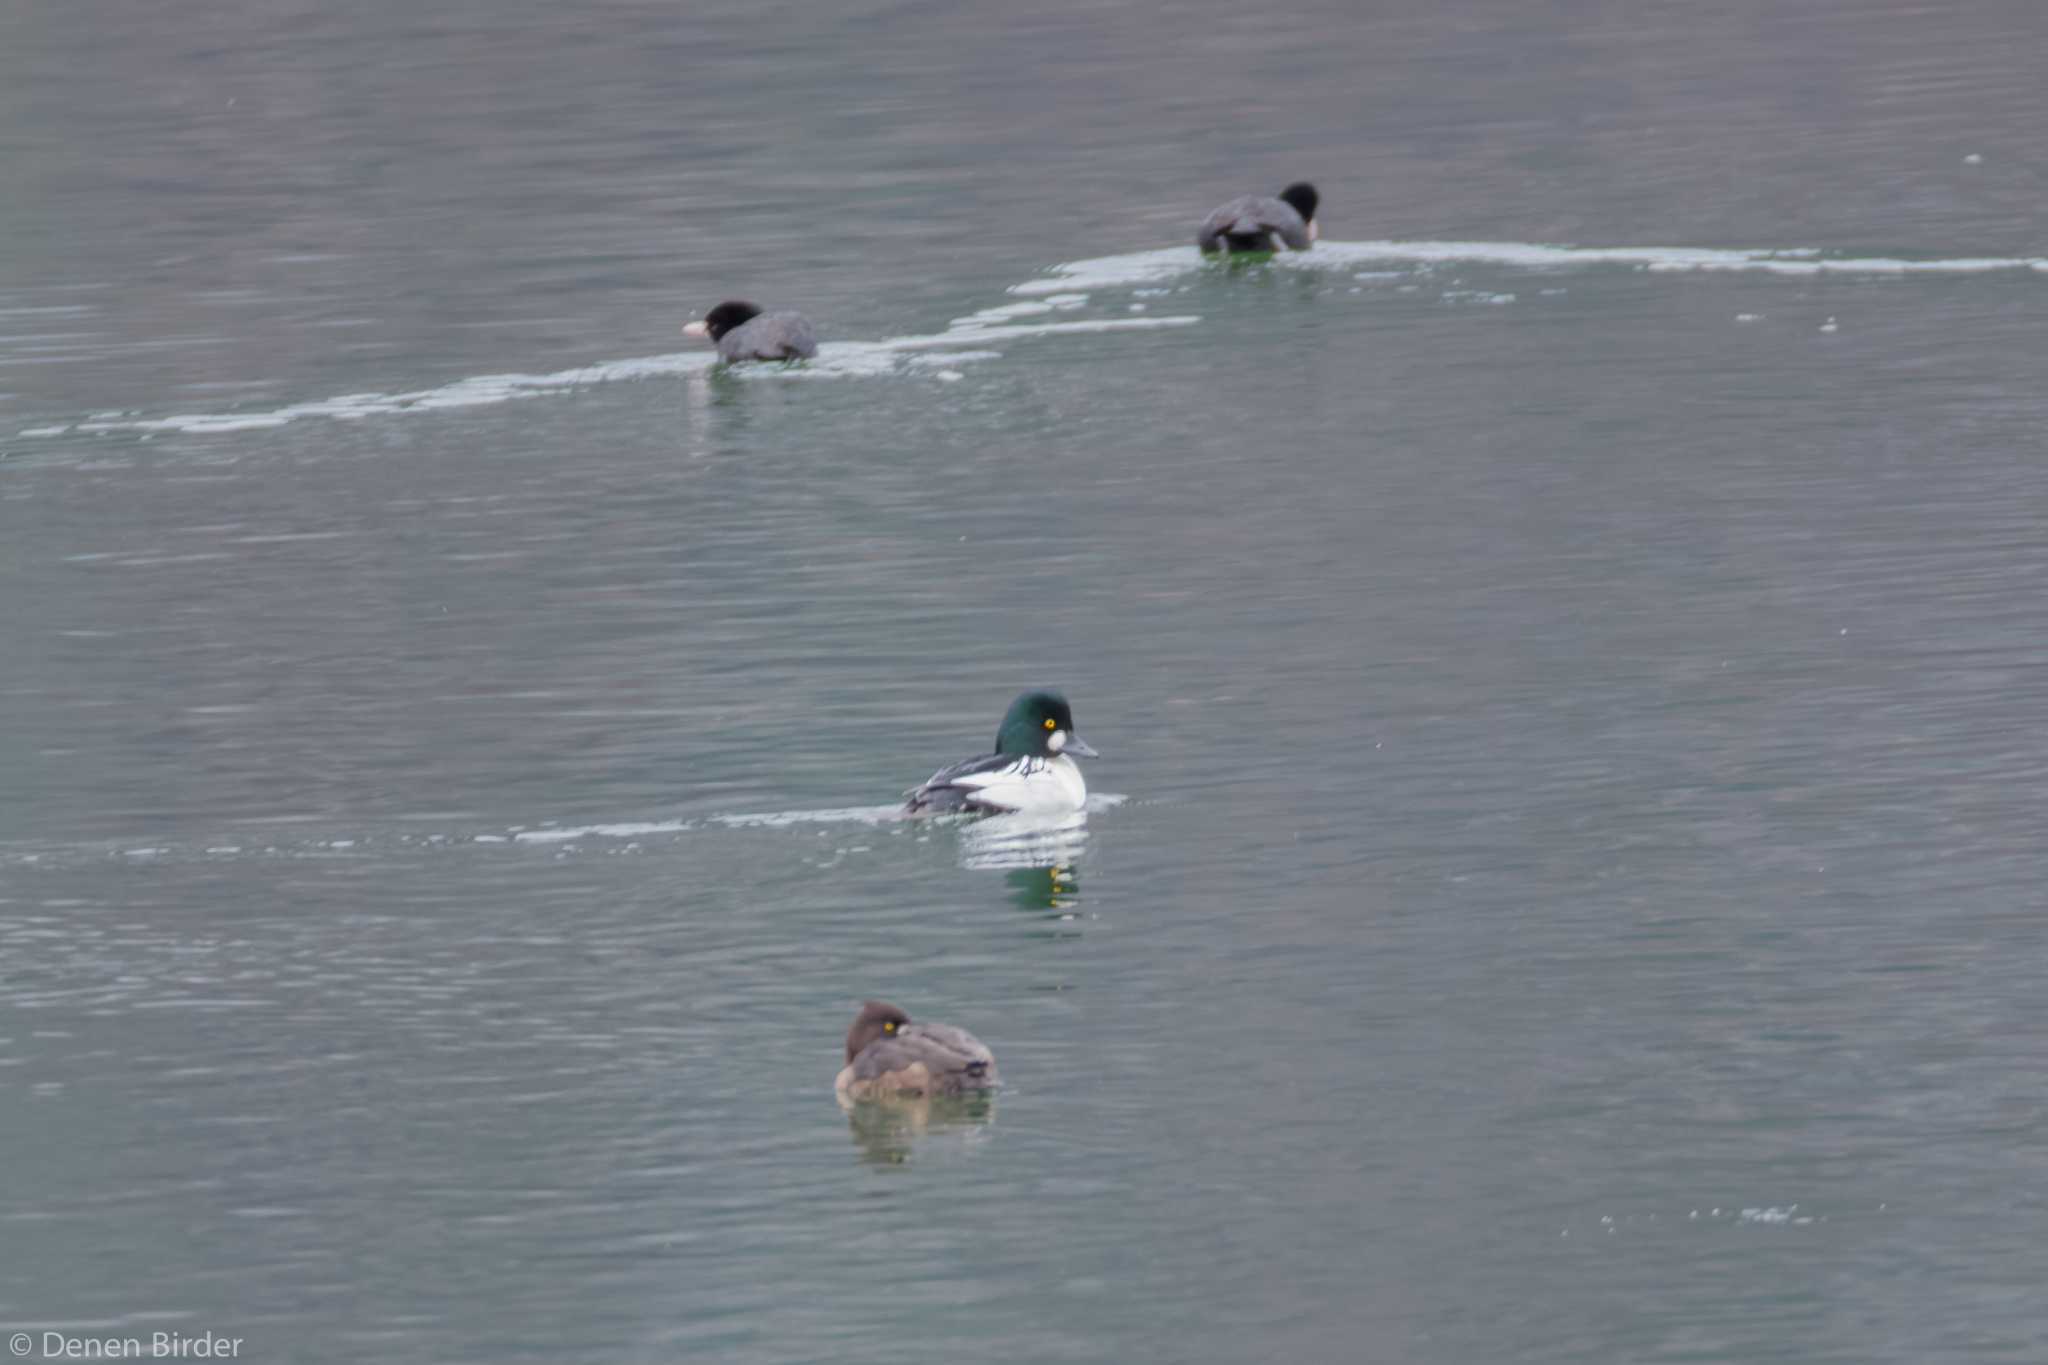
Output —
<point x="1251" y="222"/>
<point x="741" y="331"/>
<point x="771" y="336"/>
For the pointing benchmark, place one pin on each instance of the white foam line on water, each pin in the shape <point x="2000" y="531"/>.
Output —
<point x="782" y="819"/>
<point x="973" y="336"/>
<point x="635" y="829"/>
<point x="1148" y="267"/>
<point x="863" y="815"/>
<point x="631" y="830"/>
<point x="841" y="359"/>
<point x="1061" y="290"/>
<point x="1005" y="312"/>
<point x="979" y="830"/>
<point x="476" y="391"/>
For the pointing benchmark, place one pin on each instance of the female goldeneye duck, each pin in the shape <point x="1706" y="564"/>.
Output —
<point x="1032" y="769"/>
<point x="1252" y="222"/>
<point x="888" y="1055"/>
<point x="741" y="331"/>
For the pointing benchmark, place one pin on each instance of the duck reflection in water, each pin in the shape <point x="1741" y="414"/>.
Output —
<point x="1055" y="889"/>
<point x="1010" y="842"/>
<point x="885" y="1131"/>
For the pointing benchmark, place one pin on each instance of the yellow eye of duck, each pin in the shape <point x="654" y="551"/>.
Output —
<point x="1051" y="724"/>
<point x="888" y="1026"/>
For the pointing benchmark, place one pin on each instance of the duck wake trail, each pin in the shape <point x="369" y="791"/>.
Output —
<point x="967" y="340"/>
<point x="258" y="840"/>
<point x="1048" y="306"/>
<point x="1167" y="264"/>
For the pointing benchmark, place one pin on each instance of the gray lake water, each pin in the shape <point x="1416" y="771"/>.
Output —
<point x="1565" y="883"/>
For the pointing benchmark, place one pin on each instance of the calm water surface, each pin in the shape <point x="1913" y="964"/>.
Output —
<point x="1566" y="882"/>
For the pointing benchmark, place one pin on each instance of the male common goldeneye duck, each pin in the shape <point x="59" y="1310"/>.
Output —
<point x="741" y="331"/>
<point x="1253" y="222"/>
<point x="1032" y="769"/>
<point x="888" y="1055"/>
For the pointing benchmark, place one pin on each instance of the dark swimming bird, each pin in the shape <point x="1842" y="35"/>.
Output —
<point x="741" y="331"/>
<point x="888" y="1055"/>
<point x="1032" y="769"/>
<point x="1252" y="222"/>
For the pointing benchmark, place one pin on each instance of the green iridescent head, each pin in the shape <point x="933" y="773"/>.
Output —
<point x="1041" y="724"/>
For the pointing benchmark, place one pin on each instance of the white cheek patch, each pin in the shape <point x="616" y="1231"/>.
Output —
<point x="1056" y="741"/>
<point x="1313" y="231"/>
